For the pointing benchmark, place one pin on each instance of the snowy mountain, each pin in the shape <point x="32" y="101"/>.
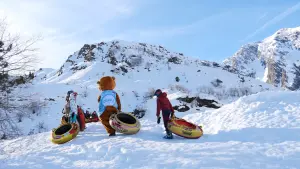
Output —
<point x="139" y="63"/>
<point x="247" y="123"/>
<point x="256" y="131"/>
<point x="275" y="60"/>
<point x="139" y="69"/>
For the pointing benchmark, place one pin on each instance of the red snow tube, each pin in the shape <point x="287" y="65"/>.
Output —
<point x="184" y="128"/>
<point x="91" y="118"/>
<point x="81" y="119"/>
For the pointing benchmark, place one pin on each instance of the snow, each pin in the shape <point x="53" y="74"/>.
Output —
<point x="131" y="86"/>
<point x="256" y="131"/>
<point x="263" y="110"/>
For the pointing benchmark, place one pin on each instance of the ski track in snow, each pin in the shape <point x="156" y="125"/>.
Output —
<point x="257" y="131"/>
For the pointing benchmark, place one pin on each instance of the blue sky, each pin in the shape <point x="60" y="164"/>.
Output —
<point x="209" y="30"/>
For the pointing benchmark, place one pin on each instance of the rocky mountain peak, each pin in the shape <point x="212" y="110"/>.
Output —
<point x="274" y="60"/>
<point x="125" y="56"/>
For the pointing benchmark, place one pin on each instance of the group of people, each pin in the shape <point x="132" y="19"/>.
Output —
<point x="110" y="103"/>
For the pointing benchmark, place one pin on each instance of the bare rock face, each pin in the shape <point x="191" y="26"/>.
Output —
<point x="87" y="52"/>
<point x="188" y="102"/>
<point x="124" y="56"/>
<point x="274" y="60"/>
<point x="127" y="56"/>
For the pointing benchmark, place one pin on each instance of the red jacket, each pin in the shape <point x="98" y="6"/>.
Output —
<point x="163" y="103"/>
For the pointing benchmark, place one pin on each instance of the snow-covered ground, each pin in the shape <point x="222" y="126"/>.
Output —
<point x="195" y="79"/>
<point x="256" y="131"/>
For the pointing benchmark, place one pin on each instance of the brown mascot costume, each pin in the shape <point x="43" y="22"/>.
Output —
<point x="109" y="102"/>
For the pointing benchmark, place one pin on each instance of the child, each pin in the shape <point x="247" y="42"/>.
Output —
<point x="66" y="110"/>
<point x="76" y="112"/>
<point x="164" y="104"/>
<point x="73" y="106"/>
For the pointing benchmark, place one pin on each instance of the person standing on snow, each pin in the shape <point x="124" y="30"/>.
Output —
<point x="109" y="102"/>
<point x="164" y="104"/>
<point x="76" y="114"/>
<point x="73" y="106"/>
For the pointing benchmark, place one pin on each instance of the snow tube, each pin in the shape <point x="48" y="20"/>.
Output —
<point x="81" y="119"/>
<point x="91" y="118"/>
<point x="184" y="128"/>
<point x="124" y="123"/>
<point x="64" y="133"/>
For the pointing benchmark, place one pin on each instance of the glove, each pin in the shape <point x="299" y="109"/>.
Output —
<point x="172" y="114"/>
<point x="158" y="119"/>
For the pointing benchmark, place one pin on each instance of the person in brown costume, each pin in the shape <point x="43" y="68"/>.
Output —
<point x="109" y="102"/>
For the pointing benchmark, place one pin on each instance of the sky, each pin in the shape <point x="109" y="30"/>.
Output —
<point x="206" y="29"/>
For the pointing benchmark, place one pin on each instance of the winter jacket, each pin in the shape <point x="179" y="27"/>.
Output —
<point x="163" y="103"/>
<point x="67" y="108"/>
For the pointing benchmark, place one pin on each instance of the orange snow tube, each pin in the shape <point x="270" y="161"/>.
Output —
<point x="184" y="128"/>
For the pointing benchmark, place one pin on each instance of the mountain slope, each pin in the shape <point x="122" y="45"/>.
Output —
<point x="142" y="66"/>
<point x="139" y="69"/>
<point x="257" y="131"/>
<point x="275" y="60"/>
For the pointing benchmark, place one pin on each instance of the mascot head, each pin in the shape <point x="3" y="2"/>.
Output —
<point x="106" y="83"/>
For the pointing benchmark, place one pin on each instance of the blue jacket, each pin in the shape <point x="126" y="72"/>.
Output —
<point x="108" y="98"/>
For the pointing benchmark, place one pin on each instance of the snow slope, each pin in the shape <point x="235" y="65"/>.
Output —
<point x="139" y="69"/>
<point x="256" y="131"/>
<point x="143" y="64"/>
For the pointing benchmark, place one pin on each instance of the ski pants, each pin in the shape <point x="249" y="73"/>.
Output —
<point x="166" y="117"/>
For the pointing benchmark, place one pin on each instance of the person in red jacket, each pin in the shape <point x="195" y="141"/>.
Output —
<point x="164" y="105"/>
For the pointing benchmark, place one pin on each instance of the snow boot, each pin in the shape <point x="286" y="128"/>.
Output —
<point x="112" y="134"/>
<point x="168" y="136"/>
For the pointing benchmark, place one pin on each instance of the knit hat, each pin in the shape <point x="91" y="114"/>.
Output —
<point x="157" y="92"/>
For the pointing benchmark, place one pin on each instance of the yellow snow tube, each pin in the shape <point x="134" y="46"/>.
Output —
<point x="64" y="133"/>
<point x="124" y="123"/>
<point x="184" y="128"/>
